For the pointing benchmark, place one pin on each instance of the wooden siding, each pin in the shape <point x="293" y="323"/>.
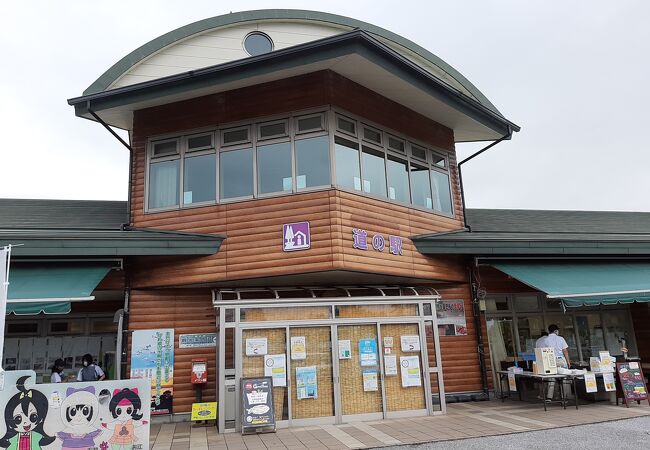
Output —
<point x="497" y="282"/>
<point x="187" y="311"/>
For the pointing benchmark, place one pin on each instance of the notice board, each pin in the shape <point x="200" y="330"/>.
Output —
<point x="257" y="405"/>
<point x="632" y="382"/>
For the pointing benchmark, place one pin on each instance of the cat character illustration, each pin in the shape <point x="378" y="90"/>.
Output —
<point x="24" y="416"/>
<point x="126" y="409"/>
<point x="79" y="412"/>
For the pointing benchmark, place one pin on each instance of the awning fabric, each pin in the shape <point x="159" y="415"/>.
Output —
<point x="50" y="287"/>
<point x="584" y="284"/>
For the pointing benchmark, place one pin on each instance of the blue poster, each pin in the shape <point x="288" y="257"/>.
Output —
<point x="368" y="352"/>
<point x="306" y="382"/>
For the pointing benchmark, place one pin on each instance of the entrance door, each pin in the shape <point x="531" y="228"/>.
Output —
<point x="403" y="374"/>
<point x="359" y="372"/>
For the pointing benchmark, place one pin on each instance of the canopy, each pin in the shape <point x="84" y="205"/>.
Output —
<point x="50" y="287"/>
<point x="584" y="284"/>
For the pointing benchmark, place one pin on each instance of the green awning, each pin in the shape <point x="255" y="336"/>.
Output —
<point x="584" y="284"/>
<point x="50" y="287"/>
<point x="30" y="309"/>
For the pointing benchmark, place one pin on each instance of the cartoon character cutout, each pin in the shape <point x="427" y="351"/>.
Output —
<point x="24" y="416"/>
<point x="126" y="409"/>
<point x="79" y="412"/>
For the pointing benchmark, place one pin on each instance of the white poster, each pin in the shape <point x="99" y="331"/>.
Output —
<point x="298" y="347"/>
<point x="345" y="349"/>
<point x="256" y="347"/>
<point x="410" y="368"/>
<point x="610" y="383"/>
<point x="370" y="380"/>
<point x="390" y="365"/>
<point x="607" y="363"/>
<point x="590" y="382"/>
<point x="512" y="382"/>
<point x="410" y="343"/>
<point x="275" y="366"/>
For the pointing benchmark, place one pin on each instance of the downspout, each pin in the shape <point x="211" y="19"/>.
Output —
<point x="476" y="310"/>
<point x="460" y="171"/>
<point x="124" y="143"/>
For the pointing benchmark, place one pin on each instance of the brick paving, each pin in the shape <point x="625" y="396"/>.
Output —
<point x="463" y="420"/>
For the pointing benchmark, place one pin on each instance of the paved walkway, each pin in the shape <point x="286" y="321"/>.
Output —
<point x="464" y="420"/>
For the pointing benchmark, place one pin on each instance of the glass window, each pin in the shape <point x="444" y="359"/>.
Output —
<point x="618" y="332"/>
<point x="274" y="168"/>
<point x="236" y="173"/>
<point x="374" y="171"/>
<point x="526" y="303"/>
<point x="257" y="44"/>
<point x="567" y="331"/>
<point x="530" y="329"/>
<point x="165" y="148"/>
<point x="346" y="125"/>
<point x="441" y="192"/>
<point x="235" y="135"/>
<point x="199" y="142"/>
<point x="372" y="135"/>
<point x="103" y="325"/>
<point x="590" y="331"/>
<point x="309" y="123"/>
<point x="395" y="144"/>
<point x="501" y="338"/>
<point x="269" y="130"/>
<point x="418" y="152"/>
<point x="497" y="304"/>
<point x="313" y="162"/>
<point x="420" y="187"/>
<point x="398" y="179"/>
<point x="347" y="164"/>
<point x="20" y="327"/>
<point x="200" y="179"/>
<point x="438" y="160"/>
<point x="164" y="180"/>
<point x="69" y="327"/>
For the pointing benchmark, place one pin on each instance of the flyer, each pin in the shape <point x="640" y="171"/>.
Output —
<point x="590" y="382"/>
<point x="298" y="348"/>
<point x="368" y="352"/>
<point x="256" y="347"/>
<point x="410" y="368"/>
<point x="345" y="351"/>
<point x="390" y="365"/>
<point x="609" y="381"/>
<point x="306" y="382"/>
<point x="410" y="343"/>
<point x="606" y="362"/>
<point x="370" y="380"/>
<point x="594" y="364"/>
<point x="388" y="341"/>
<point x="275" y="366"/>
<point x="512" y="382"/>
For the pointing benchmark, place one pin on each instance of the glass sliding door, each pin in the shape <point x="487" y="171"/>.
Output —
<point x="359" y="372"/>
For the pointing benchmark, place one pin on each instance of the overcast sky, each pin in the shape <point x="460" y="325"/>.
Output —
<point x="573" y="74"/>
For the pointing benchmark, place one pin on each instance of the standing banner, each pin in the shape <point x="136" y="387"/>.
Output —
<point x="106" y="415"/>
<point x="152" y="356"/>
<point x="257" y="404"/>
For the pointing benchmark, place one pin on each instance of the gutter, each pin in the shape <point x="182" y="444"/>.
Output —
<point x="469" y="158"/>
<point x="124" y="143"/>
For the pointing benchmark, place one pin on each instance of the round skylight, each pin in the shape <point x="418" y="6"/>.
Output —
<point x="257" y="43"/>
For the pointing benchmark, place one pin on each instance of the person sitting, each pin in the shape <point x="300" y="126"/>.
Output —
<point x="90" y="371"/>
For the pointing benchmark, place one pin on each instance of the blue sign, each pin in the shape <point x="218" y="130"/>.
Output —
<point x="368" y="352"/>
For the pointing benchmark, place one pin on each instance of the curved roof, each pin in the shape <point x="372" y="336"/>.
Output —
<point x="106" y="80"/>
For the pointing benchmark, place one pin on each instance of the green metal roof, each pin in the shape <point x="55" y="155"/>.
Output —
<point x="546" y="233"/>
<point x="70" y="214"/>
<point x="584" y="284"/>
<point x="184" y="32"/>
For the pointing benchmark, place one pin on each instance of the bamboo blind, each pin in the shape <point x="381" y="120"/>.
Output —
<point x="377" y="310"/>
<point x="319" y="354"/>
<point x="253" y="366"/>
<point x="400" y="398"/>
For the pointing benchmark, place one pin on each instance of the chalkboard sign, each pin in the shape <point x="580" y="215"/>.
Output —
<point x="257" y="405"/>
<point x="632" y="382"/>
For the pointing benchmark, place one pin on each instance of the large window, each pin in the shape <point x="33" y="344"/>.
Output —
<point x="296" y="153"/>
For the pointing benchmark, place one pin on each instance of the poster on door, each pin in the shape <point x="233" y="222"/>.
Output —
<point x="298" y="348"/>
<point x="390" y="365"/>
<point x="105" y="414"/>
<point x="451" y="318"/>
<point x="410" y="369"/>
<point x="152" y="356"/>
<point x="257" y="347"/>
<point x="368" y="352"/>
<point x="370" y="380"/>
<point x="275" y="366"/>
<point x="410" y="343"/>
<point x="345" y="349"/>
<point x="306" y="382"/>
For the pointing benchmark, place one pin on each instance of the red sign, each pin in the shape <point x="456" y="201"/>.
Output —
<point x="199" y="371"/>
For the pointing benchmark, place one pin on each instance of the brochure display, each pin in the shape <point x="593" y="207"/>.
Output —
<point x="257" y="405"/>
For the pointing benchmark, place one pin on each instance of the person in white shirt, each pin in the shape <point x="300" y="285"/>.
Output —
<point x="561" y="350"/>
<point x="57" y="371"/>
<point x="541" y="341"/>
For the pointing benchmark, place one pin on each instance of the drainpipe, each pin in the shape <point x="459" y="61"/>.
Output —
<point x="476" y="311"/>
<point x="460" y="171"/>
<point x="124" y="143"/>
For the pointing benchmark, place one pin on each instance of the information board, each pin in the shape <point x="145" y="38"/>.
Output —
<point x="257" y="405"/>
<point x="632" y="382"/>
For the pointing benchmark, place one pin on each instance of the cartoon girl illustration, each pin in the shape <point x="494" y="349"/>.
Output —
<point x="79" y="411"/>
<point x="126" y="409"/>
<point x="25" y="415"/>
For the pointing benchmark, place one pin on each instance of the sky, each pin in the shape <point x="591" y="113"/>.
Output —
<point x="573" y="74"/>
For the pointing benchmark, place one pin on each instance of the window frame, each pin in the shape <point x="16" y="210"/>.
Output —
<point x="223" y="131"/>
<point x="323" y="121"/>
<point x="285" y="135"/>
